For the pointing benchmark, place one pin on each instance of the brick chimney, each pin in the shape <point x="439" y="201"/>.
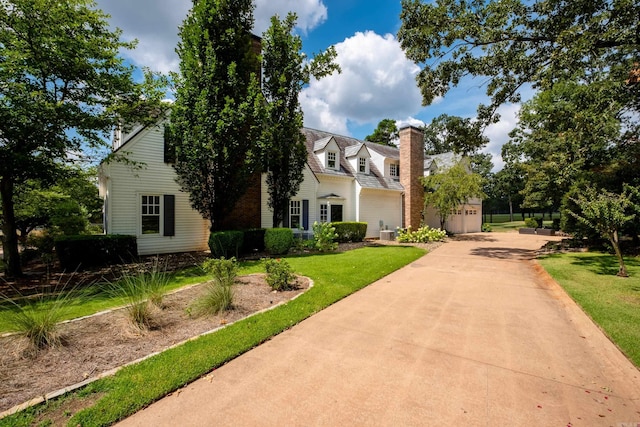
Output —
<point x="411" y="169"/>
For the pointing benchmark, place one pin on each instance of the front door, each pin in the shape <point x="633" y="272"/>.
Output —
<point x="336" y="213"/>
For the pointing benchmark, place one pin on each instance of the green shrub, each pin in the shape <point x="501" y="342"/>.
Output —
<point x="225" y="243"/>
<point x="69" y="217"/>
<point x="556" y="224"/>
<point x="279" y="275"/>
<point x="215" y="300"/>
<point x="278" y="241"/>
<point x="486" y="228"/>
<point x="324" y="236"/>
<point x="95" y="250"/>
<point x="350" y="231"/>
<point x="223" y="271"/>
<point x="530" y="223"/>
<point x="423" y="234"/>
<point x="253" y="240"/>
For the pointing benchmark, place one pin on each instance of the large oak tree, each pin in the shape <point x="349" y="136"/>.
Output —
<point x="63" y="87"/>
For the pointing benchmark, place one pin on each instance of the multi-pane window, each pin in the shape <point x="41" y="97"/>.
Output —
<point x="323" y="213"/>
<point x="362" y="165"/>
<point x="471" y="212"/>
<point x="394" y="170"/>
<point x="150" y="209"/>
<point x="295" y="214"/>
<point x="331" y="160"/>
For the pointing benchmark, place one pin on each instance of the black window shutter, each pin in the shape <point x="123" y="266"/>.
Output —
<point x="285" y="218"/>
<point x="169" y="215"/>
<point x="169" y="149"/>
<point x="305" y="214"/>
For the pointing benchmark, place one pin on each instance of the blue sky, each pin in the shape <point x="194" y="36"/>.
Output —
<point x="377" y="81"/>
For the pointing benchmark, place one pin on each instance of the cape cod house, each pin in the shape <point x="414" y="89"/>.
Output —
<point x="345" y="179"/>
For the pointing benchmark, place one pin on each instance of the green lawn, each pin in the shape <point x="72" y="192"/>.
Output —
<point x="336" y="275"/>
<point x="612" y="302"/>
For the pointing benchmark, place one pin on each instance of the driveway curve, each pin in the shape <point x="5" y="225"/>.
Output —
<point x="473" y="334"/>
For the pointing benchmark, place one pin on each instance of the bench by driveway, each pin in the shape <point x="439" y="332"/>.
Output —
<point x="472" y="334"/>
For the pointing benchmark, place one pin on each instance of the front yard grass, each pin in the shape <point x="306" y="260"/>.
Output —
<point x="612" y="302"/>
<point x="335" y="275"/>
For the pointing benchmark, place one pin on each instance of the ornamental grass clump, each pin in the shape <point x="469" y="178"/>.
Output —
<point x="37" y="318"/>
<point x="424" y="234"/>
<point x="218" y="294"/>
<point x="141" y="292"/>
<point x="279" y="275"/>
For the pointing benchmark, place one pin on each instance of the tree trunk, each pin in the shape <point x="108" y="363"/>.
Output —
<point x="613" y="238"/>
<point x="12" y="266"/>
<point x="511" y="210"/>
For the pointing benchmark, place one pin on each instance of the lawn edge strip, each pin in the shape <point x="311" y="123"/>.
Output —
<point x="136" y="386"/>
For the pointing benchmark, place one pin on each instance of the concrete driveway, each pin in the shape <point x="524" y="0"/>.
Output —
<point x="472" y="334"/>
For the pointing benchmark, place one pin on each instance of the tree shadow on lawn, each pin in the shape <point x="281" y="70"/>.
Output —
<point x="505" y="253"/>
<point x="603" y="264"/>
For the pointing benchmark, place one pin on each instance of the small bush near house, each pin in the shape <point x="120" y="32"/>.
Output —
<point x="278" y="241"/>
<point x="486" y="228"/>
<point x="95" y="250"/>
<point x="44" y="244"/>
<point x="350" y="231"/>
<point x="324" y="236"/>
<point x="279" y="275"/>
<point x="253" y="240"/>
<point x="223" y="271"/>
<point x="218" y="293"/>
<point x="530" y="223"/>
<point x="226" y="243"/>
<point x="424" y="234"/>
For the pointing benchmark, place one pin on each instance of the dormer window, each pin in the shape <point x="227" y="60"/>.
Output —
<point x="331" y="160"/>
<point x="362" y="165"/>
<point x="394" y="170"/>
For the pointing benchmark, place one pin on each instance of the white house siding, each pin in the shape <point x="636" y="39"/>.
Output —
<point x="122" y="187"/>
<point x="380" y="205"/>
<point x="341" y="186"/>
<point x="307" y="191"/>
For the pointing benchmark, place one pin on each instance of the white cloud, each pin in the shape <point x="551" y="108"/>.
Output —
<point x="410" y="121"/>
<point x="155" y="24"/>
<point x="311" y="13"/>
<point x="377" y="82"/>
<point x="498" y="133"/>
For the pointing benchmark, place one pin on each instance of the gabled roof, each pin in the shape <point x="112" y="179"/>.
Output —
<point x="375" y="179"/>
<point x="321" y="144"/>
<point x="441" y="161"/>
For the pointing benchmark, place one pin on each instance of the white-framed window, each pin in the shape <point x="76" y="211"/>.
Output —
<point x="394" y="170"/>
<point x="331" y="160"/>
<point x="150" y="211"/>
<point x="362" y="165"/>
<point x="324" y="217"/>
<point x="295" y="214"/>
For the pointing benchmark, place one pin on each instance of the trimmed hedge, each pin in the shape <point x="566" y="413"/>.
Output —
<point x="278" y="241"/>
<point x="77" y="252"/>
<point x="253" y="240"/>
<point x="350" y="231"/>
<point x="225" y="243"/>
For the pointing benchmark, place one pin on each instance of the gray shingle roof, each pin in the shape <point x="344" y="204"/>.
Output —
<point x="375" y="179"/>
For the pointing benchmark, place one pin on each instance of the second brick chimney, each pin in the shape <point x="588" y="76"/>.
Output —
<point x="411" y="170"/>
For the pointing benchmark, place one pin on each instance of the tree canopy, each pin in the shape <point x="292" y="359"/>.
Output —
<point x="217" y="117"/>
<point x="448" y="189"/>
<point x="516" y="42"/>
<point x="285" y="71"/>
<point x="63" y="87"/>
<point x="385" y="134"/>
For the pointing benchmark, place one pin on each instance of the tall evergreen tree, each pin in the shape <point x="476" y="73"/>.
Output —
<point x="217" y="118"/>
<point x="285" y="73"/>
